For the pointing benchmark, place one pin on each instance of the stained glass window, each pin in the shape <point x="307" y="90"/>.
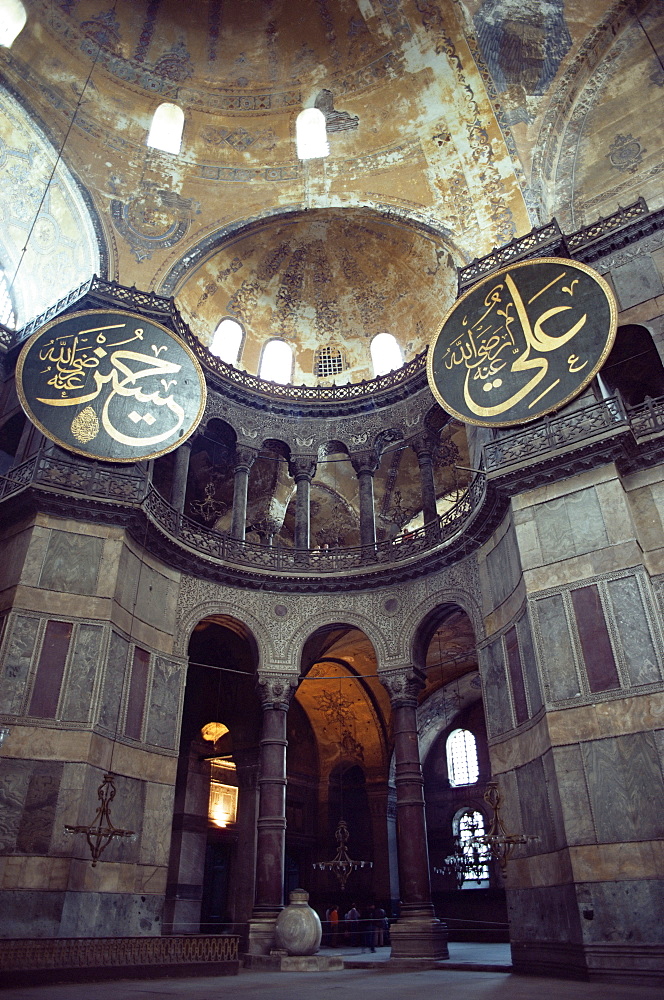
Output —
<point x="166" y="129"/>
<point x="462" y="763"/>
<point x="386" y="354"/>
<point x="227" y="340"/>
<point x="311" y="134"/>
<point x="277" y="362"/>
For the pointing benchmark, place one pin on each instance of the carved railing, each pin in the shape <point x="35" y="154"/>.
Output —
<point x="218" y="545"/>
<point x="647" y="418"/>
<point x="549" y="240"/>
<point x="553" y="433"/>
<point x="164" y="310"/>
<point x="99" y="481"/>
<point x="132" y="488"/>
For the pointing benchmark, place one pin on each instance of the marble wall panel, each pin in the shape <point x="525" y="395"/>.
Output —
<point x="36" y="826"/>
<point x="496" y="696"/>
<point x="595" y="642"/>
<point x="116" y="666"/>
<point x="110" y="914"/>
<point x="570" y="526"/>
<point x="544" y="914"/>
<point x="585" y="515"/>
<point x="30" y="913"/>
<point x="156" y="835"/>
<point x="14" y="780"/>
<point x="624" y="779"/>
<point x="625" y="910"/>
<point x="168" y="678"/>
<point x="556" y="654"/>
<point x="17" y="658"/>
<point x="554" y="530"/>
<point x="529" y="664"/>
<point x="635" y="637"/>
<point x="50" y="670"/>
<point x="145" y="592"/>
<point x="636" y="281"/>
<point x="14" y="550"/>
<point x="84" y="664"/>
<point x="71" y="563"/>
<point x="137" y="691"/>
<point x="574" y="798"/>
<point x="504" y="567"/>
<point x="516" y="676"/>
<point x="535" y="807"/>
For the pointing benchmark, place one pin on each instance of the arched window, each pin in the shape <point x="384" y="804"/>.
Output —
<point x="277" y="362"/>
<point x="634" y="366"/>
<point x="13" y="16"/>
<point x="311" y="134"/>
<point x="467" y="824"/>
<point x="166" y="129"/>
<point x="7" y="314"/>
<point x="385" y="354"/>
<point x="227" y="340"/>
<point x="462" y="764"/>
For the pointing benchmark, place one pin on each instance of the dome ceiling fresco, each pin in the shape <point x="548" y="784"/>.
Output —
<point x="473" y="119"/>
<point x="328" y="277"/>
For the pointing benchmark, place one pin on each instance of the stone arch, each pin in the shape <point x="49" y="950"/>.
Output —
<point x="432" y="715"/>
<point x="174" y="274"/>
<point x="225" y="609"/>
<point x="416" y="635"/>
<point x="342" y="617"/>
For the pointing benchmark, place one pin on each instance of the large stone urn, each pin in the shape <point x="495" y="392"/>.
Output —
<point x="298" y="930"/>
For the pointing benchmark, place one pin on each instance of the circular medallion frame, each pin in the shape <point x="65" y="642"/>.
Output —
<point x="65" y="350"/>
<point x="477" y="336"/>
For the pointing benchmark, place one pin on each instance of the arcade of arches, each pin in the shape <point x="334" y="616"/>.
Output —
<point x="281" y="622"/>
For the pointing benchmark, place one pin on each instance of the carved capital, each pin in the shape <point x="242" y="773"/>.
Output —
<point x="424" y="445"/>
<point x="245" y="457"/>
<point x="302" y="467"/>
<point x="365" y="462"/>
<point x="403" y="686"/>
<point x="276" y="690"/>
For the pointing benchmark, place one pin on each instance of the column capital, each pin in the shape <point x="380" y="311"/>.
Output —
<point x="403" y="685"/>
<point x="424" y="445"/>
<point x="365" y="462"/>
<point x="244" y="457"/>
<point x="276" y="690"/>
<point x="302" y="467"/>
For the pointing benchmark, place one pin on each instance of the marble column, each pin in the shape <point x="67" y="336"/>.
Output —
<point x="275" y="692"/>
<point x="180" y="476"/>
<point x="303" y="470"/>
<point x="365" y="466"/>
<point x="244" y="459"/>
<point x="423" y="446"/>
<point x="417" y="934"/>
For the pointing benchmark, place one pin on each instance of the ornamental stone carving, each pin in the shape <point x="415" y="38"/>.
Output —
<point x="403" y="686"/>
<point x="276" y="690"/>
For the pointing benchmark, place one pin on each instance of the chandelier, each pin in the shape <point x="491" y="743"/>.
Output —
<point x="101" y="831"/>
<point x="341" y="865"/>
<point x="497" y="841"/>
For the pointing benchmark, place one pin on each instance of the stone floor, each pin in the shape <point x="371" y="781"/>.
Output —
<point x="454" y="983"/>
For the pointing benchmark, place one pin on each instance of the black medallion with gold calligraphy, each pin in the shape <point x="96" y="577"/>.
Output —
<point x="111" y="385"/>
<point x="522" y="342"/>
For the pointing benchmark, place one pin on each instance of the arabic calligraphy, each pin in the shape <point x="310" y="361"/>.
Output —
<point x="112" y="378"/>
<point x="501" y="356"/>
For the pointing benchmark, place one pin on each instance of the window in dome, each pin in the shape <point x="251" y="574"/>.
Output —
<point x="166" y="129"/>
<point x="277" y="362"/>
<point x="13" y="16"/>
<point x="328" y="361"/>
<point x="227" y="341"/>
<point x="385" y="354"/>
<point x="7" y="314"/>
<point x="462" y="764"/>
<point x="311" y="134"/>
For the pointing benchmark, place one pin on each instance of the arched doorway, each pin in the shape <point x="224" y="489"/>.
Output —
<point x="212" y="860"/>
<point x="341" y="771"/>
